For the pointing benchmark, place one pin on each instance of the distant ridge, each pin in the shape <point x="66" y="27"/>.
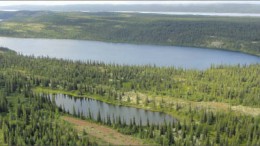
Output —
<point x="214" y="8"/>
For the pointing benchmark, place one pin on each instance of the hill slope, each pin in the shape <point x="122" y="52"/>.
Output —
<point x="229" y="33"/>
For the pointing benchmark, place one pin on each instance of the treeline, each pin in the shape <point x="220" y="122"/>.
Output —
<point x="232" y="84"/>
<point x="229" y="33"/>
<point x="32" y="119"/>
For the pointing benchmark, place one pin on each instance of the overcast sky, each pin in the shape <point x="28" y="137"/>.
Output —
<point x="8" y="3"/>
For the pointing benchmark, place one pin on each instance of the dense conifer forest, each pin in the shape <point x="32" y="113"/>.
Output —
<point x="28" y="117"/>
<point x="218" y="106"/>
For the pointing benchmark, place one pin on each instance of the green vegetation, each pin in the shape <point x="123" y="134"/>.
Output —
<point x="217" y="106"/>
<point x="229" y="33"/>
<point x="34" y="120"/>
<point x="230" y="84"/>
<point x="23" y="77"/>
<point x="3" y="50"/>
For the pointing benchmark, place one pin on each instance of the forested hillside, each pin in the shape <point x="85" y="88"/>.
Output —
<point x="28" y="118"/>
<point x="229" y="33"/>
<point x="235" y="84"/>
<point x="216" y="106"/>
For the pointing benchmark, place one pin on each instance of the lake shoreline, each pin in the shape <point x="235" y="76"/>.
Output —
<point x="131" y="43"/>
<point x="188" y="58"/>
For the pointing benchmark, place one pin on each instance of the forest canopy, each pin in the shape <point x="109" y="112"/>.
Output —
<point x="22" y="108"/>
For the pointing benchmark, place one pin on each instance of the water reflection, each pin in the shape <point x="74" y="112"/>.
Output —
<point x="87" y="107"/>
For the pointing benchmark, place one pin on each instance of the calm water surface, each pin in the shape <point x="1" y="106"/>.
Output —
<point x="131" y="54"/>
<point x="87" y="105"/>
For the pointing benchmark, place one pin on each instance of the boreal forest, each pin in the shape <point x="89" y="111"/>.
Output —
<point x="216" y="106"/>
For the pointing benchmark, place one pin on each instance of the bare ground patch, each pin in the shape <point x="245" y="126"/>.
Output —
<point x="107" y="134"/>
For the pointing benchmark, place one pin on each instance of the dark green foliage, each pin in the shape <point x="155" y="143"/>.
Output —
<point x="3" y="103"/>
<point x="4" y="49"/>
<point x="34" y="122"/>
<point x="232" y="84"/>
<point x="230" y="129"/>
<point x="99" y="117"/>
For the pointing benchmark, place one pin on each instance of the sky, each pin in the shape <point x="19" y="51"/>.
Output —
<point x="8" y="3"/>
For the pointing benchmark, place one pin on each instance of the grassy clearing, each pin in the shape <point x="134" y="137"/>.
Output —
<point x="171" y="103"/>
<point x="103" y="134"/>
<point x="65" y="123"/>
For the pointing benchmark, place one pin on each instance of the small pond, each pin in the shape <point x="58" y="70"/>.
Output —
<point x="87" y="106"/>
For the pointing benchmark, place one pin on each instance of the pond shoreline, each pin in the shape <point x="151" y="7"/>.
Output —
<point x="93" y="109"/>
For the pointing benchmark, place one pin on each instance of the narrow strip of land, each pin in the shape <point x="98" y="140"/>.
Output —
<point x="172" y="101"/>
<point x="105" y="133"/>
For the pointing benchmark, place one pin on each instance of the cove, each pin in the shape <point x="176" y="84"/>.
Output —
<point x="88" y="106"/>
<point x="127" y="54"/>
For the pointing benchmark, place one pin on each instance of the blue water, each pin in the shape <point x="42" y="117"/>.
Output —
<point x="130" y="54"/>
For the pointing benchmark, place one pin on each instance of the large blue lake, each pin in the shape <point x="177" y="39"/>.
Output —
<point x="130" y="54"/>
